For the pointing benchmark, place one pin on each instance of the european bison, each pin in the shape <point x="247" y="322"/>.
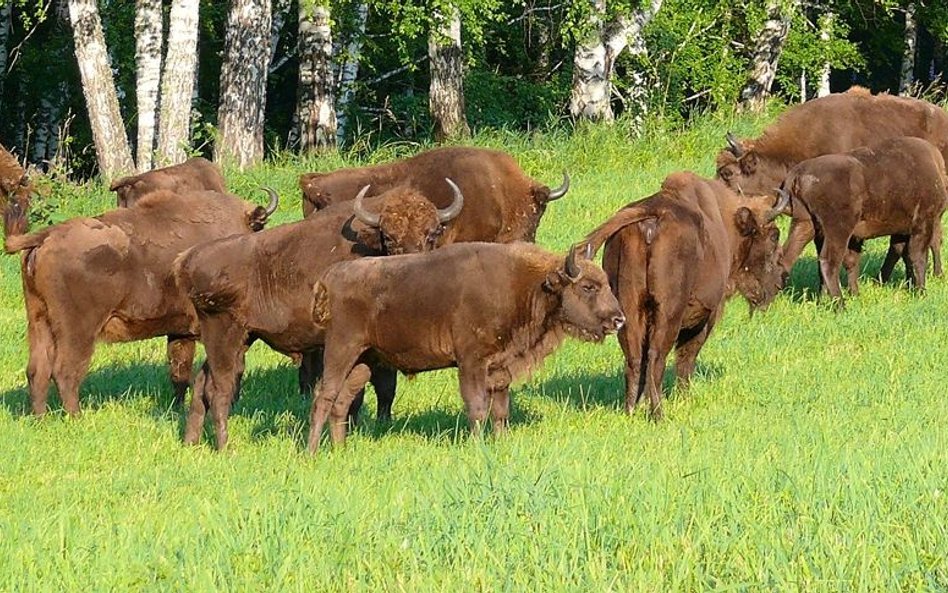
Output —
<point x="260" y="287"/>
<point x="194" y="174"/>
<point x="17" y="190"/>
<point x="503" y="203"/>
<point x="893" y="188"/>
<point x="828" y="125"/>
<point x="110" y="278"/>
<point x="672" y="259"/>
<point x="493" y="311"/>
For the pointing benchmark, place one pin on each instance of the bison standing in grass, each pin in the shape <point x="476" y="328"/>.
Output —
<point x="672" y="260"/>
<point x="893" y="188"/>
<point x="194" y="174"/>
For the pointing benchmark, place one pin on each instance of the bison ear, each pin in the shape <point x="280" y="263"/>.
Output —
<point x="371" y="237"/>
<point x="257" y="218"/>
<point x="745" y="221"/>
<point x="749" y="163"/>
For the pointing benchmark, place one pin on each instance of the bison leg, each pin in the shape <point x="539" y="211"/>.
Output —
<point x="832" y="255"/>
<point x="851" y="263"/>
<point x="473" y="379"/>
<point x="311" y="369"/>
<point x="800" y="233"/>
<point x="339" y="414"/>
<point x="500" y="409"/>
<point x="198" y="409"/>
<point x="631" y="337"/>
<point x="338" y="364"/>
<point x="917" y="264"/>
<point x="39" y="370"/>
<point x="384" y="380"/>
<point x="936" y="248"/>
<point x="892" y="256"/>
<point x="180" y="362"/>
<point x="688" y="347"/>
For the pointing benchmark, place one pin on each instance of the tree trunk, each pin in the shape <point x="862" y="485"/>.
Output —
<point x="6" y="24"/>
<point x="446" y="91"/>
<point x="349" y="72"/>
<point x="281" y="10"/>
<point x="178" y="83"/>
<point x="244" y="83"/>
<point x="767" y="48"/>
<point x="594" y="59"/>
<point x="98" y="87"/>
<point x="148" y="38"/>
<point x="907" y="78"/>
<point x="316" y="111"/>
<point x="826" y="22"/>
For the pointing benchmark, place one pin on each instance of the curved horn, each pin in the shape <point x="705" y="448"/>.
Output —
<point x="573" y="272"/>
<point x="274" y="201"/>
<point x="452" y="211"/>
<point x="373" y="220"/>
<point x="556" y="194"/>
<point x="783" y="201"/>
<point x="734" y="145"/>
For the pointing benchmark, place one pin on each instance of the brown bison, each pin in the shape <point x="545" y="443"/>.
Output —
<point x="503" y="203"/>
<point x="672" y="260"/>
<point x="893" y="188"/>
<point x="493" y="311"/>
<point x="194" y="174"/>
<point x="16" y="189"/>
<point x="259" y="287"/>
<point x="110" y="278"/>
<point x="828" y="125"/>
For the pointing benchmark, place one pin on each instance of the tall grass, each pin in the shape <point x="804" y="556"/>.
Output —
<point x="809" y="454"/>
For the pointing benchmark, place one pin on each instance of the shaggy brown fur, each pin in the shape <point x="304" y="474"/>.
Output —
<point x="17" y="190"/>
<point x="672" y="259"/>
<point x="109" y="278"/>
<point x="509" y="307"/>
<point x="196" y="173"/>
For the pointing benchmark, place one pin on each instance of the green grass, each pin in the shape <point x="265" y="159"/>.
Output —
<point x="810" y="453"/>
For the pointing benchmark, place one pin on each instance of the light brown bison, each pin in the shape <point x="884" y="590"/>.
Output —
<point x="110" y="278"/>
<point x="16" y="189"/>
<point x="503" y="203"/>
<point x="493" y="311"/>
<point x="892" y="188"/>
<point x="194" y="174"/>
<point x="829" y="125"/>
<point x="672" y="260"/>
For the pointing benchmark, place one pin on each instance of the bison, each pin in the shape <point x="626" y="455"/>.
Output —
<point x="110" y="278"/>
<point x="17" y="189"/>
<point x="895" y="188"/>
<point x="503" y="203"/>
<point x="828" y="125"/>
<point x="196" y="173"/>
<point x="259" y="287"/>
<point x="672" y="259"/>
<point x="493" y="311"/>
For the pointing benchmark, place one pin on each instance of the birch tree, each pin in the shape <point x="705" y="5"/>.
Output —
<point x="148" y="37"/>
<point x="349" y="70"/>
<point x="6" y="24"/>
<point x="768" y="44"/>
<point x="316" y="111"/>
<point x="177" y="82"/>
<point x="907" y="77"/>
<point x="244" y="83"/>
<point x="825" y="23"/>
<point x="98" y="87"/>
<point x="446" y="63"/>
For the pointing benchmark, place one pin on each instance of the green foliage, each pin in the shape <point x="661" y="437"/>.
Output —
<point x="806" y="52"/>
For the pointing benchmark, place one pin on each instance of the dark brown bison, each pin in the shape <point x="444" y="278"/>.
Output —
<point x="260" y="287"/>
<point x="110" y="278"/>
<point x="16" y="189"/>
<point x="493" y="311"/>
<point x="892" y="188"/>
<point x="672" y="260"/>
<point x="194" y="174"/>
<point x="503" y="203"/>
<point x="829" y="125"/>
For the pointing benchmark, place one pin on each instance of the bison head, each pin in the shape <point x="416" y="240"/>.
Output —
<point x="589" y="311"/>
<point x="258" y="216"/>
<point x="17" y="193"/>
<point x="744" y="170"/>
<point x="407" y="221"/>
<point x="758" y="274"/>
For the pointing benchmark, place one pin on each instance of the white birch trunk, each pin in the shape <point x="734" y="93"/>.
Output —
<point x="148" y="37"/>
<point x="826" y="22"/>
<point x="177" y="83"/>
<point x="349" y="72"/>
<point x="6" y="24"/>
<point x="244" y="83"/>
<point x="446" y="90"/>
<point x="98" y="87"/>
<point x="907" y="79"/>
<point x="768" y="46"/>
<point x="281" y="10"/>
<point x="315" y="110"/>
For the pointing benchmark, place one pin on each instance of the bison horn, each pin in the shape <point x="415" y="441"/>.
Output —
<point x="573" y="271"/>
<point x="274" y="201"/>
<point x="452" y="211"/>
<point x="373" y="220"/>
<point x="556" y="194"/>
<point x="783" y="201"/>
<point x="734" y="145"/>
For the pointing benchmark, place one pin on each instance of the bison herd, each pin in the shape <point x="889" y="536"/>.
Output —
<point x="428" y="263"/>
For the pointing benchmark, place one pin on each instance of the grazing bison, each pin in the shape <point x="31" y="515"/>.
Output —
<point x="110" y="278"/>
<point x="828" y="125"/>
<point x="503" y="203"/>
<point x="196" y="173"/>
<point x="493" y="311"/>
<point x="672" y="260"/>
<point x="16" y="189"/>
<point x="260" y="287"/>
<point x="893" y="188"/>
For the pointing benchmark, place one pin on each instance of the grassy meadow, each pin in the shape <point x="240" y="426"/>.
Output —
<point x="810" y="454"/>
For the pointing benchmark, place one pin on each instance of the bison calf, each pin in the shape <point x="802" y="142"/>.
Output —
<point x="672" y="259"/>
<point x="494" y="311"/>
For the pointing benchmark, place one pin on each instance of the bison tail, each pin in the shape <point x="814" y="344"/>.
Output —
<point x="16" y="243"/>
<point x="622" y="219"/>
<point x="321" y="303"/>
